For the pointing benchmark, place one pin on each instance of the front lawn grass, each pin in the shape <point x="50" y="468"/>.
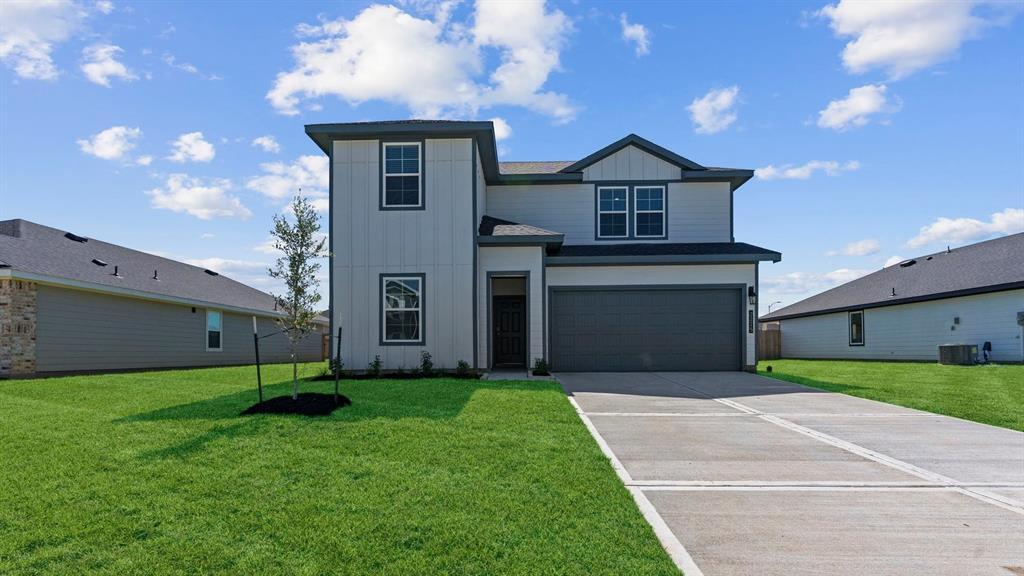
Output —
<point x="991" y="394"/>
<point x="156" y="473"/>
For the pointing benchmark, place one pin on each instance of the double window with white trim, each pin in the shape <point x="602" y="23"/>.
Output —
<point x="631" y="212"/>
<point x="402" y="309"/>
<point x="402" y="183"/>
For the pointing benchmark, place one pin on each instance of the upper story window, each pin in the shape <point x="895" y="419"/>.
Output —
<point x="612" y="212"/>
<point x="857" y="328"/>
<point x="403" y="186"/>
<point x="402" y="309"/>
<point x="213" y="331"/>
<point x="649" y="211"/>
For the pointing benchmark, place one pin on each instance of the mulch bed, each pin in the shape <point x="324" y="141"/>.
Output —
<point x="398" y="376"/>
<point x="308" y="404"/>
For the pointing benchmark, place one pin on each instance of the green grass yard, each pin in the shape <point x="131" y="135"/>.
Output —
<point x="155" y="473"/>
<point x="992" y="394"/>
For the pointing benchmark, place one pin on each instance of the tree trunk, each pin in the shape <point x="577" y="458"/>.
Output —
<point x="295" y="376"/>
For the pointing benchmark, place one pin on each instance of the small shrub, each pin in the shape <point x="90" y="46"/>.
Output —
<point x="462" y="369"/>
<point x="540" y="367"/>
<point x="335" y="366"/>
<point x="374" y="368"/>
<point x="426" y="363"/>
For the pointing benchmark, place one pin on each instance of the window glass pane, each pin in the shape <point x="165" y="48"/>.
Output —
<point x="649" y="199"/>
<point x="404" y="293"/>
<point x="402" y="325"/>
<point x="212" y="320"/>
<point x="213" y="339"/>
<point x="612" y="225"/>
<point x="393" y="166"/>
<point x="401" y="190"/>
<point x="649" y="224"/>
<point x="613" y="199"/>
<point x="411" y="166"/>
<point x="857" y="328"/>
<point x="402" y="159"/>
<point x="393" y="152"/>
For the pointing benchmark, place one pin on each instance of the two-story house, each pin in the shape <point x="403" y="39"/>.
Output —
<point x="622" y="261"/>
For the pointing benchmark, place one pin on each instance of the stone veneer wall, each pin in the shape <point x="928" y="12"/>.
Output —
<point x="17" y="327"/>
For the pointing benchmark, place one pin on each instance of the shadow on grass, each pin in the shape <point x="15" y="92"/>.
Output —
<point x="850" y="389"/>
<point x="436" y="399"/>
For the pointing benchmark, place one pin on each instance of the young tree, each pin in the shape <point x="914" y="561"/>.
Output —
<point x="297" y="267"/>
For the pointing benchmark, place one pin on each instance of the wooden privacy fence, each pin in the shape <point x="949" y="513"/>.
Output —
<point x="769" y="342"/>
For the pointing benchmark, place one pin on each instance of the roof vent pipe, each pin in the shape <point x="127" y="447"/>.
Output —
<point x="155" y="277"/>
<point x="893" y="290"/>
<point x="115" y="271"/>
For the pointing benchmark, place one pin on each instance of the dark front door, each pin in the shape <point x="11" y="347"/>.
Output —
<point x="509" y="325"/>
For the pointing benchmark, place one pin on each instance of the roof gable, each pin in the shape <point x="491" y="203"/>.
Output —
<point x="641" y="143"/>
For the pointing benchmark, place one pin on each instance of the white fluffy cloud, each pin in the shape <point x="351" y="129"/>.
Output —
<point x="281" y="180"/>
<point x="714" y="111"/>
<point x="204" y="199"/>
<point x="345" y="58"/>
<point x="30" y="31"/>
<point x="962" y="230"/>
<point x="112" y="143"/>
<point x="635" y="33"/>
<point x="267" y="144"/>
<point x="144" y="160"/>
<point x="227" y="265"/>
<point x="104" y="6"/>
<point x="501" y="129"/>
<point x="859" y="248"/>
<point x="857" y="108"/>
<point x="907" y="36"/>
<point x="100" y="64"/>
<point x="807" y="282"/>
<point x="893" y="260"/>
<point x="806" y="170"/>
<point x="191" y="147"/>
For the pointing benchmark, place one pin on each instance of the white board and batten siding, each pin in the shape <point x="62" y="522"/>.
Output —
<point x="913" y="331"/>
<point x="697" y="211"/>
<point x="641" y="276"/>
<point x="513" y="259"/>
<point x="437" y="242"/>
<point x="631" y="163"/>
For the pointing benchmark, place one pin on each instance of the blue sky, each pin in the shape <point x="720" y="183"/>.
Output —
<point x="878" y="130"/>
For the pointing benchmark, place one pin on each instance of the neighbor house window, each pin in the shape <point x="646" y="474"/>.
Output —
<point x="612" y="214"/>
<point x="213" y="330"/>
<point x="402" y="309"/>
<point x="402" y="183"/>
<point x="857" y="328"/>
<point x="649" y="211"/>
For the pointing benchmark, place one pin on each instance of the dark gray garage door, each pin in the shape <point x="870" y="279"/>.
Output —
<point x="633" y="329"/>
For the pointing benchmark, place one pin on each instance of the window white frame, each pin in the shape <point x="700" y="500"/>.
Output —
<point x="637" y="211"/>
<point x="220" y="330"/>
<point x="624" y="211"/>
<point x="384" y="308"/>
<point x="384" y="174"/>
<point x="849" y="325"/>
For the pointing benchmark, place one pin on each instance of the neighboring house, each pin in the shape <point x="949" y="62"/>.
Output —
<point x="968" y="295"/>
<point x="624" y="260"/>
<point x="75" y="304"/>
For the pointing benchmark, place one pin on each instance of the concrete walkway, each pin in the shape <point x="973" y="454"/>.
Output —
<point x="740" y="474"/>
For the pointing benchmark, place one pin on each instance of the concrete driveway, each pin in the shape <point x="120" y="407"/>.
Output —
<point x="740" y="474"/>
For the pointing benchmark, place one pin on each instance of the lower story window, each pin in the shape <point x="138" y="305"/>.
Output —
<point x="213" y="330"/>
<point x="402" y="309"/>
<point x="857" y="328"/>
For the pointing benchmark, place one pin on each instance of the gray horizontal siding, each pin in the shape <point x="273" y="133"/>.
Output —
<point x="697" y="212"/>
<point x="912" y="331"/>
<point x="77" y="330"/>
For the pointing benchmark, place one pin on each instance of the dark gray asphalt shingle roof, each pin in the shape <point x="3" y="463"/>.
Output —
<point x="977" y="267"/>
<point x="663" y="249"/>
<point x="490" y="226"/>
<point x="541" y="167"/>
<point x="29" y="247"/>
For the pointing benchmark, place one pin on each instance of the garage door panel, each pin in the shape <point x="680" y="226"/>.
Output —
<point x="646" y="329"/>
